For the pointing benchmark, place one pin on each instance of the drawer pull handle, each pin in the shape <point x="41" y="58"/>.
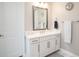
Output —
<point x="35" y="41"/>
<point x="38" y="48"/>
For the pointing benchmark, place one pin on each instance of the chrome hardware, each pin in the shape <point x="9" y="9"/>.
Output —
<point x="35" y="41"/>
<point x="38" y="48"/>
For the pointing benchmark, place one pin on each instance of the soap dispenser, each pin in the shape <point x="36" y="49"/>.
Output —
<point x="56" y="25"/>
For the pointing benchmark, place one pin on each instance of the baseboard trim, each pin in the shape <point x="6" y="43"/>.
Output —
<point x="66" y="53"/>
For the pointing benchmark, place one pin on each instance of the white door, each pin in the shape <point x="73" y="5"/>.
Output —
<point x="12" y="29"/>
<point x="35" y="50"/>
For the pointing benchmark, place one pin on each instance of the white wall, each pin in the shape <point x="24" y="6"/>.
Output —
<point x="13" y="22"/>
<point x="59" y="11"/>
<point x="50" y="15"/>
<point x="28" y="16"/>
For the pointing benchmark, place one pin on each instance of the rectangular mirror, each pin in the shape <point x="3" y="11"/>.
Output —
<point x="40" y="18"/>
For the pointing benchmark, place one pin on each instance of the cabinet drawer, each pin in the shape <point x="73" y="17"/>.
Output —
<point x="35" y="40"/>
<point x="42" y="39"/>
<point x="49" y="37"/>
<point x="56" y="37"/>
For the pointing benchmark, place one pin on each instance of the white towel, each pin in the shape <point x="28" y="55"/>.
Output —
<point x="67" y="31"/>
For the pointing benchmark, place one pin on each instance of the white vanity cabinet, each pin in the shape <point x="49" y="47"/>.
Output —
<point x="43" y="45"/>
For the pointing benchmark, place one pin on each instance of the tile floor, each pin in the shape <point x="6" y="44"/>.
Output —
<point x="55" y="54"/>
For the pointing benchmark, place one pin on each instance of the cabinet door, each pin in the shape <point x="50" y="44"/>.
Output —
<point x="52" y="45"/>
<point x="57" y="42"/>
<point x="35" y="50"/>
<point x="47" y="46"/>
<point x="43" y="48"/>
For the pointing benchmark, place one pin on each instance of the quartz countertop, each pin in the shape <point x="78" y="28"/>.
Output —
<point x="34" y="34"/>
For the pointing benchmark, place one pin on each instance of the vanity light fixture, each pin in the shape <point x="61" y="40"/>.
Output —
<point x="40" y="4"/>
